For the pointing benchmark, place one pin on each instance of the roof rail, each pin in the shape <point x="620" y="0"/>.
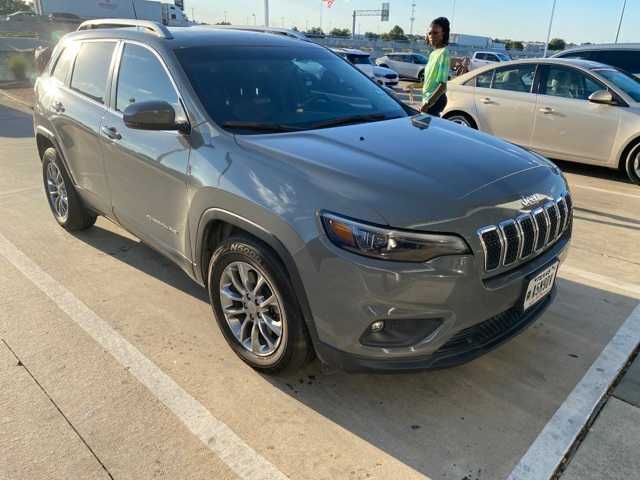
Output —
<point x="155" y="27"/>
<point x="273" y="30"/>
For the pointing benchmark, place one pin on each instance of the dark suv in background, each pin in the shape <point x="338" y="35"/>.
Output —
<point x="322" y="215"/>
<point x="625" y="56"/>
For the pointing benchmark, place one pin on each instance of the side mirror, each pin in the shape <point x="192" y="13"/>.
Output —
<point x="151" y="115"/>
<point x="603" y="97"/>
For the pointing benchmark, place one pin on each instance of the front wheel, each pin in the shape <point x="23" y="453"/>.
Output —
<point x="633" y="165"/>
<point x="64" y="201"/>
<point x="461" y="120"/>
<point x="255" y="306"/>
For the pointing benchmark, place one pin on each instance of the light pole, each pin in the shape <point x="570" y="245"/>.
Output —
<point x="413" y="16"/>
<point x="553" y="11"/>
<point x="255" y="22"/>
<point x="453" y="13"/>
<point x="266" y="13"/>
<point x="624" y="6"/>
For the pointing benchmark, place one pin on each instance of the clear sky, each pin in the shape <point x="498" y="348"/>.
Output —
<point x="575" y="20"/>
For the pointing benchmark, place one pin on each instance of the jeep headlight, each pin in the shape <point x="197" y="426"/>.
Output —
<point x="389" y="244"/>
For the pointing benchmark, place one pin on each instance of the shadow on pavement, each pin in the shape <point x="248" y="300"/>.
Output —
<point x="14" y="123"/>
<point x="142" y="257"/>
<point x="593" y="171"/>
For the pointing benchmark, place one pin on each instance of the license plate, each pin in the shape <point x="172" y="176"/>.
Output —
<point x="540" y="286"/>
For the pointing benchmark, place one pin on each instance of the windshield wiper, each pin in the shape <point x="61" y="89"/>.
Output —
<point x="350" y="120"/>
<point x="260" y="127"/>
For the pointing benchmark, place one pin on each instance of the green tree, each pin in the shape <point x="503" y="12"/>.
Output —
<point x="515" y="45"/>
<point x="315" y="31"/>
<point x="223" y="23"/>
<point x="340" y="32"/>
<point x="396" y="33"/>
<point x="372" y="36"/>
<point x="10" y="6"/>
<point x="557" y="44"/>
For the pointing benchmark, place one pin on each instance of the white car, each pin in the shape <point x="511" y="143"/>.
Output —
<point x="362" y="61"/>
<point x="574" y="110"/>
<point x="483" y="59"/>
<point x="408" y="65"/>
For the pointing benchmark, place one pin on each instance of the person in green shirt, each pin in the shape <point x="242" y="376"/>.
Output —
<point x="436" y="73"/>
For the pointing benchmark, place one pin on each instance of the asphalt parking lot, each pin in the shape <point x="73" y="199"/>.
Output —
<point x="111" y="364"/>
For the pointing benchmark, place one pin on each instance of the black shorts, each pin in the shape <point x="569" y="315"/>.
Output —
<point x="437" y="108"/>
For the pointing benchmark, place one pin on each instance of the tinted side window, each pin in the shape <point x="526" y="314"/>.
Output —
<point x="481" y="56"/>
<point x="515" y="79"/>
<point x="63" y="65"/>
<point x="92" y="69"/>
<point x="492" y="58"/>
<point x="580" y="55"/>
<point x="628" y="60"/>
<point x="484" y="79"/>
<point x="142" y="78"/>
<point x="569" y="83"/>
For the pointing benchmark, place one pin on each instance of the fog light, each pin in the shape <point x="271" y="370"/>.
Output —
<point x="377" y="326"/>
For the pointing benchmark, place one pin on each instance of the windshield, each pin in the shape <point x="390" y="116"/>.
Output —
<point x="626" y="82"/>
<point x="420" y="59"/>
<point x="271" y="89"/>
<point x="359" y="59"/>
<point x="503" y="56"/>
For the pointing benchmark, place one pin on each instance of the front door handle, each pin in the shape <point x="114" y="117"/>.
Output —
<point x="486" y="101"/>
<point x="547" y="110"/>
<point x="111" y="132"/>
<point x="57" y="107"/>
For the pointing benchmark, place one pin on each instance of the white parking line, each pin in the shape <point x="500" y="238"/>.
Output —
<point x="213" y="433"/>
<point x="632" y="288"/>
<point x="556" y="438"/>
<point x="612" y="192"/>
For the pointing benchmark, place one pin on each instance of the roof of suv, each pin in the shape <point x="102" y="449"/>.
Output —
<point x="192" y="36"/>
<point x="601" y="46"/>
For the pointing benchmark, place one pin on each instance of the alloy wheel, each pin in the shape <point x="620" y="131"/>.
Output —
<point x="57" y="191"/>
<point x="252" y="308"/>
<point x="460" y="120"/>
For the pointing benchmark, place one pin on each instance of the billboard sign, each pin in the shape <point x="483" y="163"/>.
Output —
<point x="385" y="12"/>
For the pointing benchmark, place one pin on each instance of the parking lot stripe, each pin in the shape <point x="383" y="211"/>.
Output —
<point x="213" y="433"/>
<point x="608" y="281"/>
<point x="557" y="437"/>
<point x="612" y="192"/>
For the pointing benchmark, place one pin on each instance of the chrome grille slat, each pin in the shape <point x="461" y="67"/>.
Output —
<point x="514" y="240"/>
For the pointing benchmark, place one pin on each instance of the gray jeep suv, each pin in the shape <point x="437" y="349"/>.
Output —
<point x="323" y="216"/>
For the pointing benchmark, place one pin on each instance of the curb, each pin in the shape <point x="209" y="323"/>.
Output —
<point x="19" y="101"/>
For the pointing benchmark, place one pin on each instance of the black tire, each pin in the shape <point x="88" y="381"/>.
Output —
<point x="461" y="119"/>
<point x="421" y="76"/>
<point x="632" y="164"/>
<point x="77" y="216"/>
<point x="294" y="349"/>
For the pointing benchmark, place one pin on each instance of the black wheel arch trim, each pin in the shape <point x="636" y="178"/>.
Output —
<point x="216" y="214"/>
<point x="48" y="134"/>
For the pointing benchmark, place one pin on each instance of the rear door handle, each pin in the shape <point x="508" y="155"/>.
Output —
<point x="111" y="133"/>
<point x="486" y="101"/>
<point x="547" y="110"/>
<point x="57" y="107"/>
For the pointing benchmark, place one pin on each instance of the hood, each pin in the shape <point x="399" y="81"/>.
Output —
<point x="382" y="71"/>
<point x="365" y="68"/>
<point x="412" y="177"/>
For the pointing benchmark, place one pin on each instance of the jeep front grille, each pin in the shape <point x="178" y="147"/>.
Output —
<point x="517" y="239"/>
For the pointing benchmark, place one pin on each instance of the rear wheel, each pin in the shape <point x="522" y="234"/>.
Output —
<point x="421" y="76"/>
<point x="632" y="165"/>
<point x="64" y="201"/>
<point x="461" y="119"/>
<point x="255" y="306"/>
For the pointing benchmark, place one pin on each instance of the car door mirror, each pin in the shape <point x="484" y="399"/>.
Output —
<point x="603" y="97"/>
<point x="150" y="115"/>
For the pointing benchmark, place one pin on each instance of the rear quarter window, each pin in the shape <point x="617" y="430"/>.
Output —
<point x="64" y="63"/>
<point x="91" y="69"/>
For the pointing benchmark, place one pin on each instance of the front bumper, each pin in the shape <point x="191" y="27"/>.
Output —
<point x="347" y="293"/>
